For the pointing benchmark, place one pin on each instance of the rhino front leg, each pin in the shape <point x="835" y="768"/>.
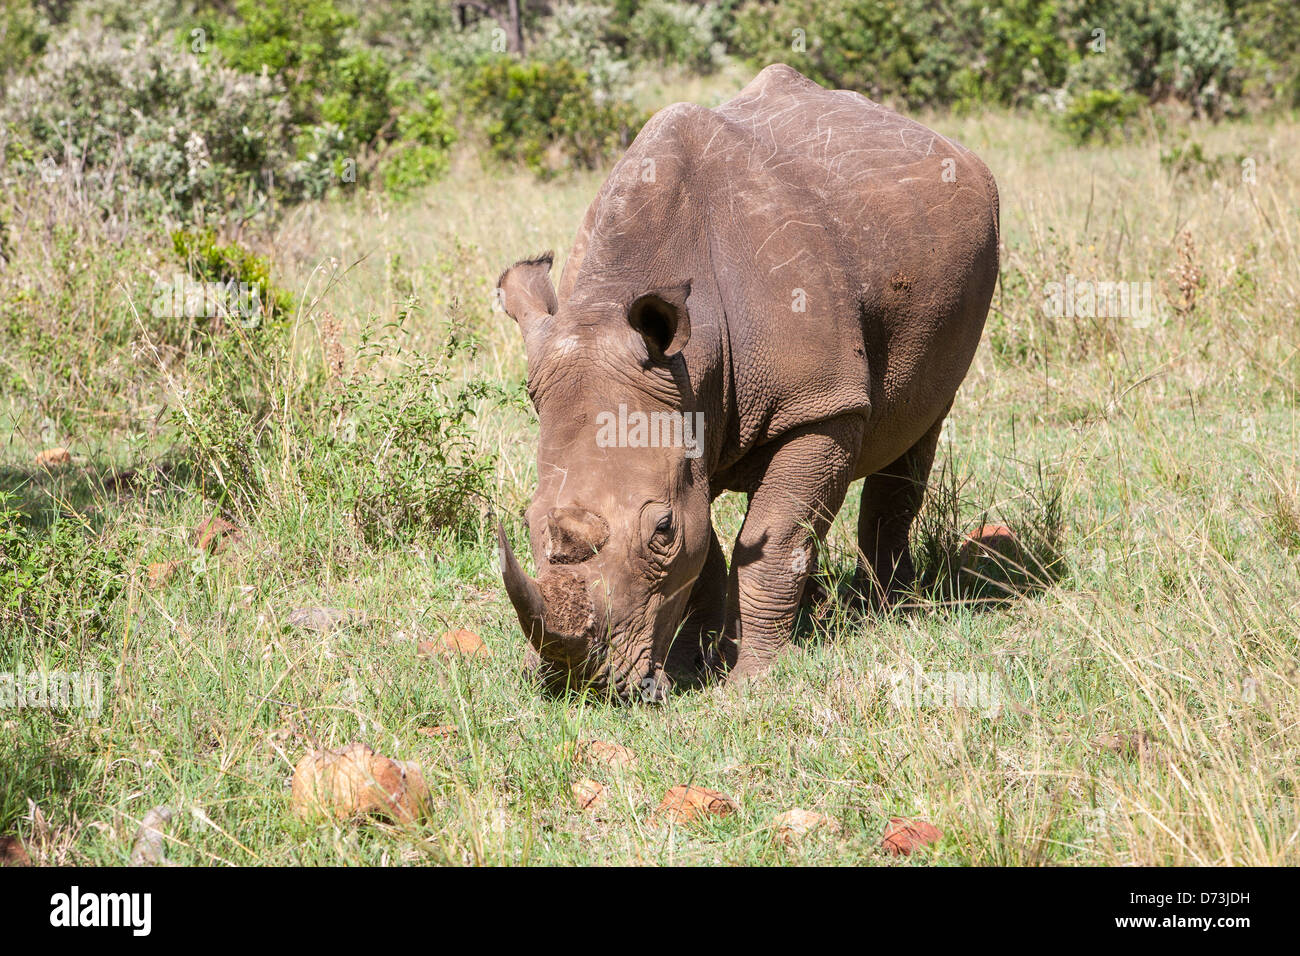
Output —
<point x="801" y="489"/>
<point x="702" y="622"/>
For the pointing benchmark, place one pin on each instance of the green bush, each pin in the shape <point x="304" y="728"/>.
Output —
<point x="864" y="45"/>
<point x="61" y="578"/>
<point x="585" y="33"/>
<point x="420" y="155"/>
<point x="226" y="424"/>
<point x="538" y="108"/>
<point x="23" y="35"/>
<point x="358" y="101"/>
<point x="297" y="40"/>
<point x="1012" y="52"/>
<point x="400" y="453"/>
<point x="1099" y="115"/>
<point x="208" y="260"/>
<point x="142" y="129"/>
<point x="675" y="34"/>
<point x="1180" y="49"/>
<point x="1269" y="31"/>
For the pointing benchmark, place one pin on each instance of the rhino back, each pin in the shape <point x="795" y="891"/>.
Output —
<point x="913" y="217"/>
<point x="835" y="268"/>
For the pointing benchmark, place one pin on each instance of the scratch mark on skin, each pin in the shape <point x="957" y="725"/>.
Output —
<point x="788" y="222"/>
<point x="709" y="144"/>
<point x="797" y="255"/>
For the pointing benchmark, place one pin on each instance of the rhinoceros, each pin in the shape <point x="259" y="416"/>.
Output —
<point x="776" y="296"/>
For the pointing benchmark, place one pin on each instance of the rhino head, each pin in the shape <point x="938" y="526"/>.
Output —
<point x="619" y="524"/>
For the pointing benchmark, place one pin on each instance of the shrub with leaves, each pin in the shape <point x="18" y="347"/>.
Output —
<point x="1099" y="115"/>
<point x="61" y="578"/>
<point x="299" y="41"/>
<point x="401" y="453"/>
<point x="538" y="109"/>
<point x="358" y="100"/>
<point x="136" y="127"/>
<point x="232" y="264"/>
<point x="242" y="400"/>
<point x="586" y="33"/>
<point x="676" y="34"/>
<point x="892" y="49"/>
<point x="421" y="153"/>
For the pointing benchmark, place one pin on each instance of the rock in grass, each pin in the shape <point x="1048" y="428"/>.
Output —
<point x="455" y="643"/>
<point x="441" y="732"/>
<point x="686" y="804"/>
<point x="215" y="535"/>
<point x="793" y="825"/>
<point x="902" y="836"/>
<point x="355" y="782"/>
<point x="53" y="458"/>
<point x="601" y="753"/>
<point x="1131" y="744"/>
<point x="994" y="552"/>
<point x="161" y="572"/>
<point x="323" y="619"/>
<point x="148" y="846"/>
<point x="12" y="852"/>
<point x="589" y="794"/>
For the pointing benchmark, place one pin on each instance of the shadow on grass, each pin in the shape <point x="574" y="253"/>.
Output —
<point x="40" y="497"/>
<point x="38" y="768"/>
<point x="1012" y="552"/>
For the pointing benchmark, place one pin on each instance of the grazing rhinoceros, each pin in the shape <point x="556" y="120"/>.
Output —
<point x="776" y="296"/>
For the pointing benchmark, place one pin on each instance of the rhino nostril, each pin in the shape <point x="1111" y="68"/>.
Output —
<point x="574" y="535"/>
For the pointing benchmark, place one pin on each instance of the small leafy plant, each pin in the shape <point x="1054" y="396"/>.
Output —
<point x="400" y="451"/>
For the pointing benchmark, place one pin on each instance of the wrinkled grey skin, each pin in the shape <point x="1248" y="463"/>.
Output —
<point x="811" y="272"/>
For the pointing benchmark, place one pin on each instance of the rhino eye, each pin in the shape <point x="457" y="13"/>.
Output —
<point x="664" y="526"/>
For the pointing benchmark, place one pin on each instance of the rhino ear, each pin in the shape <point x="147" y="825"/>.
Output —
<point x="662" y="320"/>
<point x="525" y="291"/>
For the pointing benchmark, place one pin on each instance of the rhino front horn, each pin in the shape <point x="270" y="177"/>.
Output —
<point x="523" y="591"/>
<point x="557" y="629"/>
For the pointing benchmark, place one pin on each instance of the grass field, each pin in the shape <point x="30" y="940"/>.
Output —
<point x="1148" y="699"/>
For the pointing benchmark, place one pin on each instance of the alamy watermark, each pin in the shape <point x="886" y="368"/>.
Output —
<point x="185" y="297"/>
<point x="52" y="690"/>
<point x="914" y="689"/>
<point x="667" y="429"/>
<point x="1089" y="298"/>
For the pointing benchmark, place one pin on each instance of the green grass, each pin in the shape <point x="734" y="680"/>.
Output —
<point x="1172" y="448"/>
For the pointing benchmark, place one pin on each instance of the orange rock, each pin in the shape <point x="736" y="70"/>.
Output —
<point x="13" y="853"/>
<point x="588" y="794"/>
<point x="603" y="753"/>
<point x="793" y="825"/>
<point x="215" y="535"/>
<point x="1136" y="743"/>
<point x="161" y="573"/>
<point x="442" y="732"/>
<point x="990" y="541"/>
<point x="683" y="804"/>
<point x="903" y="836"/>
<point x="53" y="457"/>
<point x="461" y="642"/>
<point x="355" y="781"/>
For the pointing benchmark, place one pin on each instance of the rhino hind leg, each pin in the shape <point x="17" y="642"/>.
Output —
<point x="891" y="499"/>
